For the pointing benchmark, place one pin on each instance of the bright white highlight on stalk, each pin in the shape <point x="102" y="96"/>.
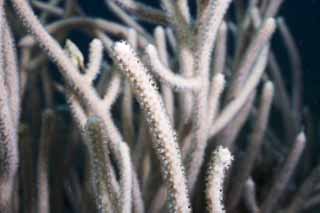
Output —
<point x="220" y="161"/>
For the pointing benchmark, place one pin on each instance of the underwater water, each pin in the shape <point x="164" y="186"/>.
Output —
<point x="159" y="106"/>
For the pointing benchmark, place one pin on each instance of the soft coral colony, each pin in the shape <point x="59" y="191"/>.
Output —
<point x="175" y="109"/>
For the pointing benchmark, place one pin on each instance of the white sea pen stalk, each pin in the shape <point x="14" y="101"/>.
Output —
<point x="137" y="201"/>
<point x="11" y="74"/>
<point x="47" y="131"/>
<point x="260" y="40"/>
<point x="96" y="139"/>
<point x="167" y="76"/>
<point x="164" y="139"/>
<point x="48" y="9"/>
<point x="219" y="163"/>
<point x="95" y="58"/>
<point x="77" y="111"/>
<point x="217" y="86"/>
<point x="184" y="9"/>
<point x="173" y="11"/>
<point x="125" y="178"/>
<point x="234" y="106"/>
<point x="186" y="100"/>
<point x="250" y="199"/>
<point x="272" y="8"/>
<point x="127" y="19"/>
<point x="8" y="148"/>
<point x="127" y="100"/>
<point x="167" y="93"/>
<point x="207" y="35"/>
<point x="113" y="90"/>
<point x="220" y="52"/>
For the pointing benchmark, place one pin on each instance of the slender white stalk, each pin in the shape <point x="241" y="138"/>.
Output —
<point x="217" y="86"/>
<point x="296" y="67"/>
<point x="96" y="139"/>
<point x="220" y="53"/>
<point x="208" y="32"/>
<point x="234" y="106"/>
<point x="95" y="59"/>
<point x="227" y="137"/>
<point x="11" y="74"/>
<point x="168" y="97"/>
<point x="131" y="22"/>
<point x="220" y="161"/>
<point x="77" y="111"/>
<point x="125" y="178"/>
<point x="250" y="196"/>
<point x="260" y="41"/>
<point x="133" y="38"/>
<point x="167" y="76"/>
<point x="113" y="90"/>
<point x="48" y="8"/>
<point x="184" y="9"/>
<point x="137" y="201"/>
<point x="164" y="140"/>
<point x="178" y="16"/>
<point x="47" y="133"/>
<point x="127" y="101"/>
<point x="187" y="65"/>
<point x="272" y="8"/>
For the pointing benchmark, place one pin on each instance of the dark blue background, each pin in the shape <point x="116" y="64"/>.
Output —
<point x="303" y="17"/>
